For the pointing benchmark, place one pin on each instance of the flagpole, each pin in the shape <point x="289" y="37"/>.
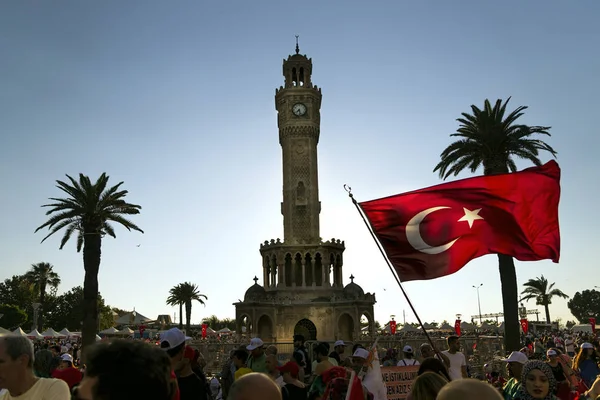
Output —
<point x="389" y="264"/>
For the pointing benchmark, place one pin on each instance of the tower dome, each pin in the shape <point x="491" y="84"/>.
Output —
<point x="255" y="292"/>
<point x="353" y="290"/>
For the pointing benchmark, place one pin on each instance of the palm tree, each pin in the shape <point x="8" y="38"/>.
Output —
<point x="491" y="139"/>
<point x="88" y="210"/>
<point x="189" y="293"/>
<point x="176" y="299"/>
<point x="41" y="276"/>
<point x="539" y="290"/>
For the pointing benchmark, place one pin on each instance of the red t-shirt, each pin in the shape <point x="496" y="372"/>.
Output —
<point x="70" y="375"/>
<point x="174" y="379"/>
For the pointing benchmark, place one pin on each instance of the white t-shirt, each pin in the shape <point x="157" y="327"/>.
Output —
<point x="407" y="361"/>
<point x="43" y="389"/>
<point x="457" y="361"/>
<point x="569" y="346"/>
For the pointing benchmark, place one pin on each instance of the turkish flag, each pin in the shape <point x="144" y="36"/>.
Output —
<point x="525" y="325"/>
<point x="204" y="330"/>
<point x="593" y="324"/>
<point x="457" y="327"/>
<point x="393" y="327"/>
<point x="433" y="232"/>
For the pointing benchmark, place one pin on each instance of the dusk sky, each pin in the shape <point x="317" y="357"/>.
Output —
<point x="177" y="100"/>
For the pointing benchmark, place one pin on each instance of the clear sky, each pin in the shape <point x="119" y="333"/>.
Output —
<point x="177" y="100"/>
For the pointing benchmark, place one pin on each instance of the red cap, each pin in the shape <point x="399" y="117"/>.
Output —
<point x="290" y="367"/>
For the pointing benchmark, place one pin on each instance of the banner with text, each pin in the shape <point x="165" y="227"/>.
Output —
<point x="398" y="380"/>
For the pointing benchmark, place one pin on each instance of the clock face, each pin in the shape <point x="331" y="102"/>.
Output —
<point x="299" y="109"/>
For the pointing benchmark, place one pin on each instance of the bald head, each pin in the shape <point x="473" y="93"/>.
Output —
<point x="468" y="389"/>
<point x="254" y="386"/>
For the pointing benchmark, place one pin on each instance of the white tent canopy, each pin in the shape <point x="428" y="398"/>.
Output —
<point x="65" y="332"/>
<point x="98" y="338"/>
<point x="19" y="332"/>
<point x="132" y="318"/>
<point x="125" y="332"/>
<point x="35" y="334"/>
<point x="51" y="333"/>
<point x="4" y="332"/>
<point x="109" y="331"/>
<point x="224" y="330"/>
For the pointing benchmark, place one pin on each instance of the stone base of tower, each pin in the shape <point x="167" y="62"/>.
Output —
<point x="277" y="317"/>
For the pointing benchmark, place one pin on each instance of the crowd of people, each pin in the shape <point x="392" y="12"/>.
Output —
<point x="170" y="369"/>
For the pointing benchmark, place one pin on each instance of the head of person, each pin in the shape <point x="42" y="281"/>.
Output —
<point x="359" y="359"/>
<point x="468" y="389"/>
<point x="271" y="349"/>
<point x="321" y="351"/>
<point x="16" y="361"/>
<point x="239" y="358"/>
<point x="42" y="363"/>
<point x="426" y="350"/>
<point x="126" y="369"/>
<point x="187" y="361"/>
<point x="537" y="381"/>
<point x="433" y="365"/>
<point x="552" y="355"/>
<point x="66" y="361"/>
<point x="408" y="351"/>
<point x="271" y="363"/>
<point x="453" y="343"/>
<point x="339" y="346"/>
<point x="427" y="386"/>
<point x="256" y="347"/>
<point x="298" y="340"/>
<point x="514" y="364"/>
<point x="173" y="343"/>
<point x="289" y="371"/>
<point x="254" y="386"/>
<point x="55" y="350"/>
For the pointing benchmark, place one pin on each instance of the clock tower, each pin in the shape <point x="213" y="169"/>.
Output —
<point x="298" y="105"/>
<point x="303" y="291"/>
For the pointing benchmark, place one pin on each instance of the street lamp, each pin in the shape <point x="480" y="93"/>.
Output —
<point x="478" y="301"/>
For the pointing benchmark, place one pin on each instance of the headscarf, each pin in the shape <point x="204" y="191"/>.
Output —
<point x="542" y="366"/>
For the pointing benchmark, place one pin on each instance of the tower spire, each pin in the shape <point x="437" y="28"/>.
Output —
<point x="297" y="47"/>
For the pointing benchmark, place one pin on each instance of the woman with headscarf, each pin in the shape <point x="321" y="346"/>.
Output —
<point x="538" y="382"/>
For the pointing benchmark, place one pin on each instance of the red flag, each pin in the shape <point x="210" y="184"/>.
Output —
<point x="593" y="324"/>
<point x="393" y="327"/>
<point x="433" y="232"/>
<point x="457" y="327"/>
<point x="204" y="330"/>
<point x="525" y="325"/>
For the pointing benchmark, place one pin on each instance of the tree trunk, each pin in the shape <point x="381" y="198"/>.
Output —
<point x="40" y="321"/>
<point x="508" y="279"/>
<point x="547" y="313"/>
<point x="91" y="264"/>
<point x="188" y="316"/>
<point x="180" y="315"/>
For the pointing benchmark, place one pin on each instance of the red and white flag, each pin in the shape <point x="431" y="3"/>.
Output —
<point x="436" y="231"/>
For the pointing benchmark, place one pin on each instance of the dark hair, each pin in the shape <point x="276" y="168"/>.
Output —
<point x="452" y="339"/>
<point x="55" y="348"/>
<point x="321" y="349"/>
<point x="174" y="351"/>
<point x="433" y="365"/>
<point x="129" y="370"/>
<point x="241" y="355"/>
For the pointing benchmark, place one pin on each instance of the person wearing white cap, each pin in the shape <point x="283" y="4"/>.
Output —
<point x="67" y="372"/>
<point x="514" y="366"/>
<point x="257" y="361"/>
<point x="409" y="357"/>
<point x="338" y="349"/>
<point x="586" y="362"/>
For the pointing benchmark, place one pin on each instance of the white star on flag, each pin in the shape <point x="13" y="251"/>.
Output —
<point x="470" y="216"/>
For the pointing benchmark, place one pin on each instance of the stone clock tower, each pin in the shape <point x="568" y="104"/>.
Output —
<point x="302" y="291"/>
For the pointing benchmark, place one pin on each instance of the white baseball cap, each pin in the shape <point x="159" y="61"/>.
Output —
<point x="551" y="353"/>
<point x="67" y="357"/>
<point x="361" y="353"/>
<point x="516" y="356"/>
<point x="587" y="345"/>
<point x="407" y="349"/>
<point x="172" y="338"/>
<point x="339" y="343"/>
<point x="255" y="343"/>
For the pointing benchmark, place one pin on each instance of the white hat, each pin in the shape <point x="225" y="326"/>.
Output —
<point x="172" y="338"/>
<point x="587" y="345"/>
<point x="339" y="343"/>
<point x="551" y="352"/>
<point x="407" y="349"/>
<point x="361" y="353"/>
<point x="67" y="357"/>
<point x="255" y="343"/>
<point x="516" y="356"/>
